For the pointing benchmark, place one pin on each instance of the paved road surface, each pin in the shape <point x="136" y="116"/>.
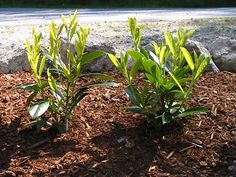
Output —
<point x="26" y="15"/>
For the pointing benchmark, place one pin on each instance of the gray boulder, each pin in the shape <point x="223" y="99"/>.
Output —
<point x="13" y="58"/>
<point x="223" y="51"/>
<point x="199" y="48"/>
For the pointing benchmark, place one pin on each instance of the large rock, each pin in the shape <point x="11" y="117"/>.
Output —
<point x="114" y="37"/>
<point x="99" y="64"/>
<point x="13" y="59"/>
<point x="200" y="49"/>
<point x="223" y="51"/>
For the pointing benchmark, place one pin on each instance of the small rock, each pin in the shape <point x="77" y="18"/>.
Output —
<point x="203" y="163"/>
<point x="231" y="167"/>
<point x="120" y="140"/>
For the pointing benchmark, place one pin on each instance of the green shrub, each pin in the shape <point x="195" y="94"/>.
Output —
<point x="170" y="74"/>
<point x="54" y="96"/>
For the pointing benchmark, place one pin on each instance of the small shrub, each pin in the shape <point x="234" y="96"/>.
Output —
<point x="54" y="96"/>
<point x="170" y="74"/>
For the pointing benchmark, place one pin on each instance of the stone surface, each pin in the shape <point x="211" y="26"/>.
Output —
<point x="13" y="59"/>
<point x="200" y="49"/>
<point x="223" y="51"/>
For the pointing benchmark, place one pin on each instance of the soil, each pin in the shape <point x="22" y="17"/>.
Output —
<point x="105" y="140"/>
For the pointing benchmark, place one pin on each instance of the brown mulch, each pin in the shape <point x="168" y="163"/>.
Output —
<point x="104" y="140"/>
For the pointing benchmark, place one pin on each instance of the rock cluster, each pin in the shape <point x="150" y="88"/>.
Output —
<point x="114" y="38"/>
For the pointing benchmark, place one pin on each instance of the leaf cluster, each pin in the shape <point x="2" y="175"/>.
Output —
<point x="54" y="96"/>
<point x="170" y="74"/>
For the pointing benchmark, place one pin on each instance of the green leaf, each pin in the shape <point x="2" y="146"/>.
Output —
<point x="182" y="71"/>
<point x="56" y="71"/>
<point x="124" y="60"/>
<point x="188" y="57"/>
<point x="193" y="111"/>
<point x="51" y="81"/>
<point x="134" y="109"/>
<point x="148" y="64"/>
<point x="42" y="64"/>
<point x="114" y="60"/>
<point x="66" y="72"/>
<point x="72" y="32"/>
<point x="135" y="55"/>
<point x="176" y="81"/>
<point x="77" y="99"/>
<point x="155" y="58"/>
<point x="97" y="84"/>
<point x="166" y="118"/>
<point x="71" y="57"/>
<point x="135" y="68"/>
<point x="31" y="87"/>
<point x="150" y="78"/>
<point x="60" y="30"/>
<point x="30" y="124"/>
<point x="136" y="32"/>
<point x="58" y="94"/>
<point x="91" y="56"/>
<point x="201" y="68"/>
<point x="30" y="98"/>
<point x="53" y="106"/>
<point x="170" y="42"/>
<point x="28" y="48"/>
<point x="78" y="70"/>
<point x="98" y="75"/>
<point x="144" y="52"/>
<point x="162" y="54"/>
<point x="152" y="69"/>
<point x="80" y="91"/>
<point x="52" y="31"/>
<point x="174" y="78"/>
<point x="132" y="24"/>
<point x="134" y="95"/>
<point x="81" y="40"/>
<point x="38" y="109"/>
<point x="168" y="85"/>
<point x="156" y="48"/>
<point x="138" y="35"/>
<point x="64" y="20"/>
<point x="73" y="17"/>
<point x="80" y="94"/>
<point x="190" y="33"/>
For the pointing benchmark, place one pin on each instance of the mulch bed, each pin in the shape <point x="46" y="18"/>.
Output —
<point x="105" y="140"/>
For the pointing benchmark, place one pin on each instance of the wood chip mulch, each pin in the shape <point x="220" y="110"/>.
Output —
<point x="105" y="140"/>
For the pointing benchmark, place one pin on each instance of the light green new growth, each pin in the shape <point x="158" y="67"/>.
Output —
<point x="55" y="95"/>
<point x="171" y="73"/>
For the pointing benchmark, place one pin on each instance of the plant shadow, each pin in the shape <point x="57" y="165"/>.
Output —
<point x="227" y="154"/>
<point x="29" y="144"/>
<point x="124" y="152"/>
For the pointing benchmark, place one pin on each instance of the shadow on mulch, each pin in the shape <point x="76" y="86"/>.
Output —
<point x="227" y="154"/>
<point x="6" y="150"/>
<point x="102" y="141"/>
<point x="29" y="144"/>
<point x="125" y="152"/>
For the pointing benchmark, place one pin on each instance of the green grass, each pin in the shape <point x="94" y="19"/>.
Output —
<point x="116" y="3"/>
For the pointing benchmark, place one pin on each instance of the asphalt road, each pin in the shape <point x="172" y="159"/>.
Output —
<point x="26" y="15"/>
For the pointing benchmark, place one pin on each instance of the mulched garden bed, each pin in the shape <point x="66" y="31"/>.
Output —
<point x="105" y="140"/>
